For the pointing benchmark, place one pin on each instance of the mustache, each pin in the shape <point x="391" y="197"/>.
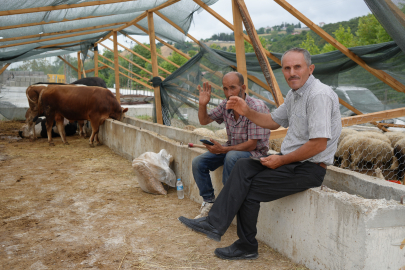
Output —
<point x="294" y="77"/>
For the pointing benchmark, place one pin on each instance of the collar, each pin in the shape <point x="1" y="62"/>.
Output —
<point x="301" y="91"/>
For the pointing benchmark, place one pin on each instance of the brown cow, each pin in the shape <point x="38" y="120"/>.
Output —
<point x="78" y="103"/>
<point x="32" y="94"/>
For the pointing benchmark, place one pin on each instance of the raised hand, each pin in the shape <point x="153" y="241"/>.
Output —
<point x="238" y="105"/>
<point x="205" y="94"/>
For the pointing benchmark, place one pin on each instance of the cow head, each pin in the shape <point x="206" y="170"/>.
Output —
<point x="124" y="110"/>
<point x="24" y="132"/>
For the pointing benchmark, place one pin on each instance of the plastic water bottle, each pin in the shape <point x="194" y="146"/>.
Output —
<point x="180" y="190"/>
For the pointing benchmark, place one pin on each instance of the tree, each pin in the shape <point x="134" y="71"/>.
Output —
<point x="344" y="36"/>
<point x="249" y="47"/>
<point x="191" y="53"/>
<point x="290" y="29"/>
<point x="260" y="31"/>
<point x="370" y="31"/>
<point x="309" y="45"/>
<point x="175" y="58"/>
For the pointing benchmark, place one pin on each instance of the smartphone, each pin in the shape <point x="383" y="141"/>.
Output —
<point x="207" y="142"/>
<point x="257" y="158"/>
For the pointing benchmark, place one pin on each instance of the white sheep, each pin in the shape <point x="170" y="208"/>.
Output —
<point x="221" y="134"/>
<point x="394" y="137"/>
<point x="375" y="135"/>
<point x="399" y="153"/>
<point x="346" y="132"/>
<point x="356" y="149"/>
<point x="275" y="144"/>
<point x="204" y="132"/>
<point x="189" y="127"/>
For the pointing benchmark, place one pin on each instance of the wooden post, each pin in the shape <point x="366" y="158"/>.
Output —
<point x="239" y="43"/>
<point x="261" y="56"/>
<point x="379" y="74"/>
<point x="84" y="72"/>
<point x="155" y="70"/>
<point x="79" y="67"/>
<point x="4" y="68"/>
<point x="116" y="69"/>
<point x="96" y="61"/>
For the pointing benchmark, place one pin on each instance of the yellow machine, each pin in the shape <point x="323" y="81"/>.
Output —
<point x="56" y="78"/>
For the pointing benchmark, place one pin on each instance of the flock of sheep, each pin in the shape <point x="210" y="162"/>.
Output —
<point x="367" y="150"/>
<point x="357" y="150"/>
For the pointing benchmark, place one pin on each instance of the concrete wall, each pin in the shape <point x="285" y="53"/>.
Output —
<point x="321" y="228"/>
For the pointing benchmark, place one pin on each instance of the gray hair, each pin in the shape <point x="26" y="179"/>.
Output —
<point x="307" y="55"/>
<point x="240" y="76"/>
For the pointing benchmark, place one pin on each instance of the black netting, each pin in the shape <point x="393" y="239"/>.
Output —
<point x="351" y="82"/>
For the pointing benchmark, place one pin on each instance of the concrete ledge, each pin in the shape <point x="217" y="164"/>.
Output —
<point x="323" y="229"/>
<point x="173" y="133"/>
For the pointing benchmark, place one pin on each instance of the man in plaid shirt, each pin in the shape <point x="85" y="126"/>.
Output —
<point x="245" y="138"/>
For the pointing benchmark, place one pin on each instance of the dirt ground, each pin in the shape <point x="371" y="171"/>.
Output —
<point x="76" y="207"/>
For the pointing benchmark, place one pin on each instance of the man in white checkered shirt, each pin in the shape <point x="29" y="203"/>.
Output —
<point x="311" y="111"/>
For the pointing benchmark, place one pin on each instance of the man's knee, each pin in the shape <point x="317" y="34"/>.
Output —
<point x="233" y="156"/>
<point x="196" y="162"/>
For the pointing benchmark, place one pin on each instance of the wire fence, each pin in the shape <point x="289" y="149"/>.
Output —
<point x="367" y="149"/>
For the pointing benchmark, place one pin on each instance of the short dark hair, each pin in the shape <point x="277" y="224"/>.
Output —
<point x="240" y="76"/>
<point x="307" y="55"/>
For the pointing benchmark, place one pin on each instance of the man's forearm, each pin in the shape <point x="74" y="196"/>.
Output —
<point x="203" y="115"/>
<point x="262" y="120"/>
<point x="247" y="146"/>
<point x="306" y="151"/>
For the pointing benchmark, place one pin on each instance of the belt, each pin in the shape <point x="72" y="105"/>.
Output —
<point x="323" y="165"/>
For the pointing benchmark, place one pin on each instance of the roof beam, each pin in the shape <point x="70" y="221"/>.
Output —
<point x="54" y="38"/>
<point x="168" y="3"/>
<point x="137" y="19"/>
<point x="61" y="44"/>
<point x="138" y="81"/>
<point x="59" y="7"/>
<point x="143" y="58"/>
<point x="43" y="23"/>
<point x="61" y="32"/>
<point x="67" y="63"/>
<point x="175" y="26"/>
<point x="381" y="75"/>
<point x="135" y="64"/>
<point x="4" y="68"/>
<point x="230" y="26"/>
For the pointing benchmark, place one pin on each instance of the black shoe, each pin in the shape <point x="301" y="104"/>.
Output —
<point x="201" y="225"/>
<point x="233" y="253"/>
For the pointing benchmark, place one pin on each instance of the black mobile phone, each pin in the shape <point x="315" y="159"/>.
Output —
<point x="207" y="142"/>
<point x="257" y="158"/>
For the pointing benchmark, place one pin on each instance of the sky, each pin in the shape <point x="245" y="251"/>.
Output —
<point x="268" y="13"/>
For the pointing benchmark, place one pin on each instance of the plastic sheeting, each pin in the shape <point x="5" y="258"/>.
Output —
<point x="181" y="13"/>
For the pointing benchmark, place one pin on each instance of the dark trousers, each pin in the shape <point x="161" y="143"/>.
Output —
<point x="251" y="183"/>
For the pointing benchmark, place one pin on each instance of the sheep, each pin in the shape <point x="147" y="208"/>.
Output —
<point x="375" y="135"/>
<point x="379" y="174"/>
<point x="395" y="137"/>
<point x="358" y="149"/>
<point x="189" y="127"/>
<point x="275" y="144"/>
<point x="399" y="153"/>
<point x="221" y="134"/>
<point x="204" y="132"/>
<point x="346" y="132"/>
